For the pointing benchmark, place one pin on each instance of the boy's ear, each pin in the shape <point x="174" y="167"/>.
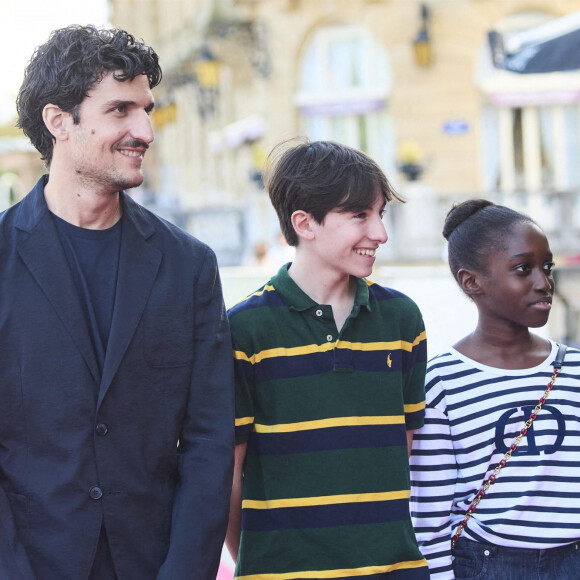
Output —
<point x="56" y="121"/>
<point x="469" y="281"/>
<point x="302" y="223"/>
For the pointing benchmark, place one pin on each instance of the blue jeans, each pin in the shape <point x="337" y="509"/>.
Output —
<point x="475" y="560"/>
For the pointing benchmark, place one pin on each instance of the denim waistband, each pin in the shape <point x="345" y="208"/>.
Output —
<point x="494" y="548"/>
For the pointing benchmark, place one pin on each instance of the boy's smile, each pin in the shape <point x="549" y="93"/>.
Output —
<point x="365" y="252"/>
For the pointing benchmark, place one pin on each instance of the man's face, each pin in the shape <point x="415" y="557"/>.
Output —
<point x="114" y="131"/>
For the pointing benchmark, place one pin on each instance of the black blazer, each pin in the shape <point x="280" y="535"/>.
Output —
<point x="146" y="448"/>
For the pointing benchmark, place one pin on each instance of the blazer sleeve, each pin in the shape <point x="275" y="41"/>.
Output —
<point x="206" y="445"/>
<point x="14" y="563"/>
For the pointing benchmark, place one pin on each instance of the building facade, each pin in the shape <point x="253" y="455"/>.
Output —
<point x="411" y="83"/>
<point x="20" y="168"/>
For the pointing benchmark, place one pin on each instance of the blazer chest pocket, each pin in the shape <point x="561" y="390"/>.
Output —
<point x="168" y="338"/>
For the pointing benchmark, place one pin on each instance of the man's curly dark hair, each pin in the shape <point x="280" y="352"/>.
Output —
<point x="64" y="69"/>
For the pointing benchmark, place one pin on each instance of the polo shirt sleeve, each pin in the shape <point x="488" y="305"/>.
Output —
<point x="244" y="379"/>
<point x="244" y="402"/>
<point x="415" y="364"/>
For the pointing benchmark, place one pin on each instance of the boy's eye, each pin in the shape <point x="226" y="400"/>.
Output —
<point x="360" y="215"/>
<point x="522" y="268"/>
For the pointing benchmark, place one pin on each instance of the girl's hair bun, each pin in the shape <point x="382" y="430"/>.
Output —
<point x="461" y="212"/>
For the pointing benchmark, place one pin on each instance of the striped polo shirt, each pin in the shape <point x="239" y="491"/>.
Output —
<point x="473" y="414"/>
<point x="324" y="414"/>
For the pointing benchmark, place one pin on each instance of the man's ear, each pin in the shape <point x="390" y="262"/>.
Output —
<point x="57" y="121"/>
<point x="469" y="281"/>
<point x="302" y="224"/>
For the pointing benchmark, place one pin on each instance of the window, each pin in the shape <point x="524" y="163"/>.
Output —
<point x="344" y="86"/>
<point x="531" y="122"/>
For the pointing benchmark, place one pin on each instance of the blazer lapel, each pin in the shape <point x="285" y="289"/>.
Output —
<point x="40" y="249"/>
<point x="138" y="266"/>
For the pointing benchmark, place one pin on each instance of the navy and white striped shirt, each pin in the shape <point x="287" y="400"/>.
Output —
<point x="473" y="414"/>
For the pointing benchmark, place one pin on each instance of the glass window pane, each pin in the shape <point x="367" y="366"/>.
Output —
<point x="572" y="124"/>
<point x="547" y="148"/>
<point x="345" y="63"/>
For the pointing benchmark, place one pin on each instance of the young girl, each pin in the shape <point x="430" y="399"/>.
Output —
<point x="480" y="393"/>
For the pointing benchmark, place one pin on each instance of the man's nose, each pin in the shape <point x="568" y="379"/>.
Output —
<point x="142" y="128"/>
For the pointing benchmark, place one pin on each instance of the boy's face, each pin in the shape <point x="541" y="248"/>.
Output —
<point x="346" y="242"/>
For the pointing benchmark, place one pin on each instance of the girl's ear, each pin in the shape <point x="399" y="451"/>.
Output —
<point x="302" y="223"/>
<point x="469" y="281"/>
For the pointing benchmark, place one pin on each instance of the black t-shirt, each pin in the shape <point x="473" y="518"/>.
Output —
<point x="93" y="257"/>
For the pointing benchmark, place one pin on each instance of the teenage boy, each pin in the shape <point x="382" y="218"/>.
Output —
<point x="329" y="385"/>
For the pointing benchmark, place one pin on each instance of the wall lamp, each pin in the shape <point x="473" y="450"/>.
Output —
<point x="207" y="69"/>
<point x="422" y="42"/>
<point x="207" y="74"/>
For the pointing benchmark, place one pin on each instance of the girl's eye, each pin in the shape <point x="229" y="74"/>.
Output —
<point x="382" y="213"/>
<point x="522" y="268"/>
<point x="360" y="215"/>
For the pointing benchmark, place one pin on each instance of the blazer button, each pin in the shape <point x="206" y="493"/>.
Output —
<point x="101" y="429"/>
<point x="95" y="492"/>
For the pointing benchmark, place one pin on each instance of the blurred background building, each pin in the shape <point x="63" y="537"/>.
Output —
<point x="411" y="83"/>
<point x="454" y="98"/>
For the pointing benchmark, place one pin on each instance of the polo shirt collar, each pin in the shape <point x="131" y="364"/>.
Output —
<point x="298" y="300"/>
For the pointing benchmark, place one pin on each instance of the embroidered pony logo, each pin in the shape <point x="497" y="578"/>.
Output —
<point x="389" y="361"/>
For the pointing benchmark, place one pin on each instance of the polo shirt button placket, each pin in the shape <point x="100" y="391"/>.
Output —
<point x="319" y="313"/>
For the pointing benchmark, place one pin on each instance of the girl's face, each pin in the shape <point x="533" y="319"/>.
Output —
<point x="518" y="285"/>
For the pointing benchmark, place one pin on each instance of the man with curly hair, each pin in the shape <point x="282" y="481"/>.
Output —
<point x="116" y="388"/>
